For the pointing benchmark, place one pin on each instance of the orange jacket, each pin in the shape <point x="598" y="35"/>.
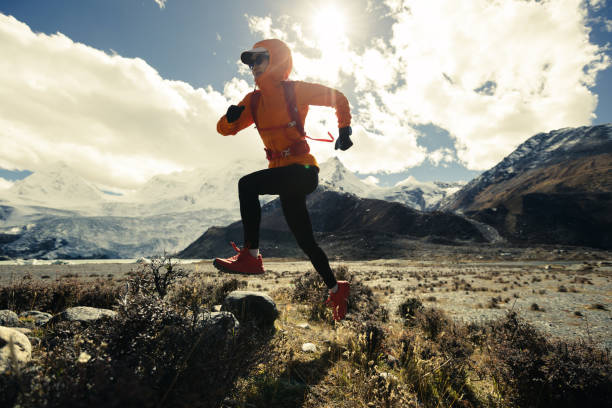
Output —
<point x="272" y="108"/>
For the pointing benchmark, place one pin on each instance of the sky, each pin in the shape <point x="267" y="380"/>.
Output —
<point x="440" y="90"/>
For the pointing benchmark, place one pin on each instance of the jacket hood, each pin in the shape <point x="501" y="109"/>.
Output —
<point x="280" y="65"/>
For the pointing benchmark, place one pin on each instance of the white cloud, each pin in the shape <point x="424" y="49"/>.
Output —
<point x="597" y="4"/>
<point x="5" y="184"/>
<point x="161" y="3"/>
<point x="441" y="156"/>
<point x="490" y="73"/>
<point x="113" y="119"/>
<point x="371" y="180"/>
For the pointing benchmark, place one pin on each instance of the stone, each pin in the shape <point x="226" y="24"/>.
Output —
<point x="392" y="361"/>
<point x="23" y="330"/>
<point x="84" y="314"/>
<point x="251" y="307"/>
<point x="217" y="329"/>
<point x="8" y="318"/>
<point x="37" y="318"/>
<point x="226" y="320"/>
<point x="388" y="377"/>
<point x="15" y="348"/>
<point x="309" y="348"/>
<point x="84" y="357"/>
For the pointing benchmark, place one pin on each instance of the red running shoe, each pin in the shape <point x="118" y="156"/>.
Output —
<point x="243" y="262"/>
<point x="337" y="301"/>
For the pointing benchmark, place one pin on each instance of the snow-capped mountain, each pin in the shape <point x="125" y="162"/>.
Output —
<point x="193" y="190"/>
<point x="415" y="194"/>
<point x="57" y="187"/>
<point x="58" y="214"/>
<point x="166" y="214"/>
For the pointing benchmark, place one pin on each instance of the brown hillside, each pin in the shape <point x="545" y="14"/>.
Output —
<point x="591" y="174"/>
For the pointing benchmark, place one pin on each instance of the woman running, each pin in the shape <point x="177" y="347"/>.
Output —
<point x="278" y="110"/>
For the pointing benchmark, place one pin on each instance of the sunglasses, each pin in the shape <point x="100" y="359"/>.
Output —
<point x="260" y="58"/>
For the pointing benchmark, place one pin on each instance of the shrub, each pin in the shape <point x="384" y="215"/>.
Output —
<point x="432" y="322"/>
<point x="437" y="379"/>
<point x="362" y="304"/>
<point x="531" y="370"/>
<point x="150" y="355"/>
<point x="193" y="296"/>
<point x="158" y="275"/>
<point x="53" y="297"/>
<point x="408" y="309"/>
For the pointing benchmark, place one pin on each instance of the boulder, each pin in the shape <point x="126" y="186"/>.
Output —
<point x="251" y="307"/>
<point x="35" y="317"/>
<point x="83" y="314"/>
<point x="8" y="318"/>
<point x="15" y="348"/>
<point x="309" y="348"/>
<point x="219" y="325"/>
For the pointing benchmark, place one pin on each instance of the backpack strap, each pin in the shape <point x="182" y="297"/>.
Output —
<point x="289" y="88"/>
<point x="254" y="104"/>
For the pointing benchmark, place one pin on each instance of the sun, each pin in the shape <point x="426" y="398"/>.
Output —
<point x="329" y="26"/>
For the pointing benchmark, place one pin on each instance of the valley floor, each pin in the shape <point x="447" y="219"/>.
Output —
<point x="565" y="293"/>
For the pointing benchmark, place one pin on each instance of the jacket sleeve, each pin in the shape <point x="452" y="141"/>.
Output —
<point x="246" y="119"/>
<point x="320" y="95"/>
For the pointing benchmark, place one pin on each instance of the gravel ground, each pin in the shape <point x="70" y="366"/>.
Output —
<point x="570" y="298"/>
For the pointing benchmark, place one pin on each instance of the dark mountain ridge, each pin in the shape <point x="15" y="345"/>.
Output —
<point x="346" y="225"/>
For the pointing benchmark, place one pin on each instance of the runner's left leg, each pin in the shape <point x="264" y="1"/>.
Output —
<point x="295" y="179"/>
<point x="298" y="220"/>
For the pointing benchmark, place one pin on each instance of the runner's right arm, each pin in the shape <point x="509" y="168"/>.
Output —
<point x="226" y="128"/>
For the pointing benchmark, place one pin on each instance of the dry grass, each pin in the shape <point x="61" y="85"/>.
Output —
<point x="413" y="356"/>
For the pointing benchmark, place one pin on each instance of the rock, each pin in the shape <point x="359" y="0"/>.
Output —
<point x="15" y="348"/>
<point x="388" y="377"/>
<point x="8" y="318"/>
<point x="392" y="361"/>
<point x="303" y="326"/>
<point x="216" y="329"/>
<point x="309" y="348"/>
<point x="23" y="330"/>
<point x="84" y="314"/>
<point x="253" y="307"/>
<point x="36" y="317"/>
<point x="226" y="320"/>
<point x="84" y="357"/>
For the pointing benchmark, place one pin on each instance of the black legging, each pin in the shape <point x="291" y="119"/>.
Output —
<point x="292" y="184"/>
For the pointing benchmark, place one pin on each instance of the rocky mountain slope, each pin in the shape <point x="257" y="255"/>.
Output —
<point x="347" y="226"/>
<point x="554" y="188"/>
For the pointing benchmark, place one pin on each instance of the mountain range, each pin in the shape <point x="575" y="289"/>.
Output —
<point x="555" y="188"/>
<point x="59" y="214"/>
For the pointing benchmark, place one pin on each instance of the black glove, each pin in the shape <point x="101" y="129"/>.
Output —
<point x="233" y="113"/>
<point x="344" y="141"/>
